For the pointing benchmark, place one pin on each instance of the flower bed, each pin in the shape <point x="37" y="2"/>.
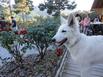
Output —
<point x="39" y="37"/>
<point x="33" y="66"/>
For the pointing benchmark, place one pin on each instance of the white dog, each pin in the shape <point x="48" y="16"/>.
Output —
<point x="84" y="50"/>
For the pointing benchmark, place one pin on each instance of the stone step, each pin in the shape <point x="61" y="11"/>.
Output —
<point x="71" y="69"/>
<point x="72" y="72"/>
<point x="69" y="75"/>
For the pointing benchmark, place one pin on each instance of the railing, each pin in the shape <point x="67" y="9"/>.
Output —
<point x="60" y="68"/>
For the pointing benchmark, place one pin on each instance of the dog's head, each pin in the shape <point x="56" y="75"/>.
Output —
<point x="67" y="31"/>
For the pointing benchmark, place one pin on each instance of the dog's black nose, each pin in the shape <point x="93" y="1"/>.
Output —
<point x="53" y="40"/>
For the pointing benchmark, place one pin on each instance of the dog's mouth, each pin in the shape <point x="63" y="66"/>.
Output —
<point x="61" y="42"/>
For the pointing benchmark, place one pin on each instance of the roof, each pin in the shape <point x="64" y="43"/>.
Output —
<point x="97" y="4"/>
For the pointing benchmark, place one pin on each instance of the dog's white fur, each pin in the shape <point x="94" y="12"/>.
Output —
<point x="84" y="50"/>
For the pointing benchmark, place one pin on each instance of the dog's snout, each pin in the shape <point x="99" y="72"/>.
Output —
<point x="53" y="40"/>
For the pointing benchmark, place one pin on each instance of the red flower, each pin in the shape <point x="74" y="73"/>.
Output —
<point x="1" y="29"/>
<point x="59" y="51"/>
<point x="22" y="31"/>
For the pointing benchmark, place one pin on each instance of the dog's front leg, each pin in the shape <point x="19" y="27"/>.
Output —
<point x="85" y="71"/>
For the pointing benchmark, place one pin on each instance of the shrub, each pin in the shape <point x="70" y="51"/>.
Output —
<point x="42" y="34"/>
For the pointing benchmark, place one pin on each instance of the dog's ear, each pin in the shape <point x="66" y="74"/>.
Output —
<point x="71" y="20"/>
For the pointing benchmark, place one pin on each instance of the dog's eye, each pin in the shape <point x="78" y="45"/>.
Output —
<point x="63" y="30"/>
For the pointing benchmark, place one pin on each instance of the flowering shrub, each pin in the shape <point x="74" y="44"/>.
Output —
<point x="12" y="42"/>
<point x="41" y="34"/>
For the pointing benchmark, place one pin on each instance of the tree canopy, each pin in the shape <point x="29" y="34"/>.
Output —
<point x="56" y="6"/>
<point x="23" y="6"/>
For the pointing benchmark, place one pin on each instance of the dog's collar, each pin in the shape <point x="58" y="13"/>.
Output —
<point x="75" y="42"/>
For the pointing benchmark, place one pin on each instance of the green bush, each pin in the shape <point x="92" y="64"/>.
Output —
<point x="42" y="34"/>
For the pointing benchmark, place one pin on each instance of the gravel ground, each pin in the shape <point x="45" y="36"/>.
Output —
<point x="31" y="66"/>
